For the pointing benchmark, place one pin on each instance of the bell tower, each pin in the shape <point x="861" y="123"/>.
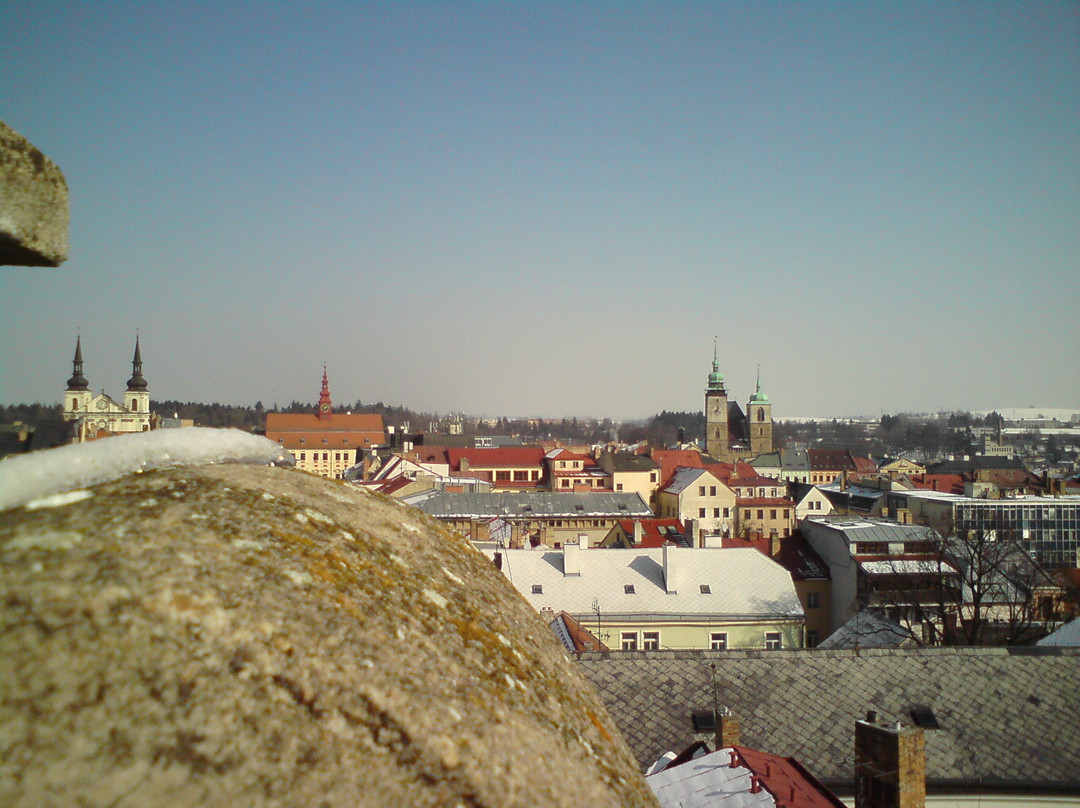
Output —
<point x="759" y="416"/>
<point x="78" y="395"/>
<point x="717" y="440"/>
<point x="137" y="396"/>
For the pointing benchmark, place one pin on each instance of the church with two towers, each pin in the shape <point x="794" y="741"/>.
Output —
<point x="97" y="416"/>
<point x="731" y="434"/>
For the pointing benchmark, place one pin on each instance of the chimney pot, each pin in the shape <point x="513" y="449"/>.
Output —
<point x="755" y="785"/>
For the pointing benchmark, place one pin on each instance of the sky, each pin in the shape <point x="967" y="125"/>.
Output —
<point x="553" y="209"/>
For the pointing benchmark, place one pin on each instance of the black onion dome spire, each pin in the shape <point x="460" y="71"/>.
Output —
<point x="136" y="382"/>
<point x="77" y="380"/>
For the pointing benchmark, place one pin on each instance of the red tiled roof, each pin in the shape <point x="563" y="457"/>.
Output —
<point x="787" y="780"/>
<point x="671" y="460"/>
<point x="310" y="422"/>
<point x="796" y="555"/>
<point x="766" y="502"/>
<point x="503" y="457"/>
<point x="651" y="533"/>
<point x="864" y="465"/>
<point x="948" y="483"/>
<point x="830" y="460"/>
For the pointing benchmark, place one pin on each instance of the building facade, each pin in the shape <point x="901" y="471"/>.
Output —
<point x="97" y="416"/>
<point x="324" y="442"/>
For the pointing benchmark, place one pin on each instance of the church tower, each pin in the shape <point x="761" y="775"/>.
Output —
<point x="759" y="414"/>
<point x="717" y="440"/>
<point x="78" y="395"/>
<point x="326" y="409"/>
<point x="137" y="397"/>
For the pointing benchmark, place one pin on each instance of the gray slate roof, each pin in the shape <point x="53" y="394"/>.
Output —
<point x="529" y="505"/>
<point x="1006" y="715"/>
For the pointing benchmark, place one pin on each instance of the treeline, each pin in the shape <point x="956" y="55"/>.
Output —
<point x="917" y="436"/>
<point x="30" y="413"/>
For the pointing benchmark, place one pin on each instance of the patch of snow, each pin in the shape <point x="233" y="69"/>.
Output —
<point x="38" y="475"/>
<point x="56" y="500"/>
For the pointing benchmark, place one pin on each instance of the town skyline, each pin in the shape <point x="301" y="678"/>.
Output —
<point x="548" y="211"/>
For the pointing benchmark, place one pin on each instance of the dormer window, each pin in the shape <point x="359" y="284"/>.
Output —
<point x="538" y="589"/>
<point x="628" y="589"/>
<point x="706" y="589"/>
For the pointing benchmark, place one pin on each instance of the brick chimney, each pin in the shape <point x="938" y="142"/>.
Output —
<point x="727" y="731"/>
<point x="890" y="764"/>
<point x="639" y="532"/>
<point x="774" y="543"/>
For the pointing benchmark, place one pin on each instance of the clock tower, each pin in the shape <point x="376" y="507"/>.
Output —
<point x="326" y="409"/>
<point x="717" y="440"/>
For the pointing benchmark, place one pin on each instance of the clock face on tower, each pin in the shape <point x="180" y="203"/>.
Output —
<point x="324" y="408"/>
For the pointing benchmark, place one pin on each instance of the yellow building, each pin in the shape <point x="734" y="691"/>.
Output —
<point x="324" y="442"/>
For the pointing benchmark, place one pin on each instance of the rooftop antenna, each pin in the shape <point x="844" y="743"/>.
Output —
<point x="715" y="708"/>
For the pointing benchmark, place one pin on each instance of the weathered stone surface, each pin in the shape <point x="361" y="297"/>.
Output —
<point x="236" y="635"/>
<point x="33" y="205"/>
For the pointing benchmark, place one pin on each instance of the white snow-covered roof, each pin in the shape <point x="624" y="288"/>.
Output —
<point x="730" y="582"/>
<point x="684" y="477"/>
<point x="1068" y="635"/>
<point x="709" y="780"/>
<point x="908" y="566"/>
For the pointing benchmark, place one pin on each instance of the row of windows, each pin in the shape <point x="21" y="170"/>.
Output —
<point x="718" y="640"/>
<point x="761" y="513"/>
<point x="339" y="457"/>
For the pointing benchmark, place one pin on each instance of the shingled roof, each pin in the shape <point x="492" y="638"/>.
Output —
<point x="1008" y="717"/>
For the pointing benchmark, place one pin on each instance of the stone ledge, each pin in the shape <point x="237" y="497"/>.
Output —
<point x="33" y="205"/>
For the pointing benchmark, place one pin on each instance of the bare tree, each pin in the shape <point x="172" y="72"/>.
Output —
<point x="963" y="587"/>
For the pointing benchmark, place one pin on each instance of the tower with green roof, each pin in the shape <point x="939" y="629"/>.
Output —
<point x="759" y="415"/>
<point x="717" y="439"/>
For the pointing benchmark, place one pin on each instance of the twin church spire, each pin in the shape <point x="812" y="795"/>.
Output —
<point x="78" y="382"/>
<point x="731" y="434"/>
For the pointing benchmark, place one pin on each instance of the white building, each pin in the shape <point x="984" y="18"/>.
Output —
<point x="96" y="416"/>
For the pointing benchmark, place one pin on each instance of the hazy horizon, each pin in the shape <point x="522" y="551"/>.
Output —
<point x="554" y="208"/>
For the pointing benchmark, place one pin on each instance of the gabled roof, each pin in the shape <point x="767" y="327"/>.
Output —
<point x="743" y="584"/>
<point x="1007" y="715"/>
<point x="683" y="479"/>
<point x="573" y="635"/>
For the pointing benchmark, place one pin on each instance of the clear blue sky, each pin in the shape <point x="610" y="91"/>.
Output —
<point x="552" y="208"/>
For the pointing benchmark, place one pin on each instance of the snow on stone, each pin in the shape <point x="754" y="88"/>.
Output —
<point x="36" y="477"/>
